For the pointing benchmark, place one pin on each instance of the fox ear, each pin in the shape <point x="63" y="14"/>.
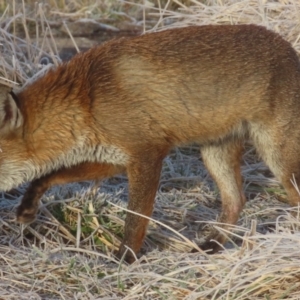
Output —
<point x="10" y="115"/>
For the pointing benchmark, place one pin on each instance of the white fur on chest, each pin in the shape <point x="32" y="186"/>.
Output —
<point x="13" y="173"/>
<point x="98" y="153"/>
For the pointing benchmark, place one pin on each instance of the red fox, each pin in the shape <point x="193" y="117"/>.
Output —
<point x="121" y="107"/>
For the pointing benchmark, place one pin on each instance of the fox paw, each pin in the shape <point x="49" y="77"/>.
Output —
<point x="26" y="215"/>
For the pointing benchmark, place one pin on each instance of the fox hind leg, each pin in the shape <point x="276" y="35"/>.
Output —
<point x="223" y="163"/>
<point x="280" y="150"/>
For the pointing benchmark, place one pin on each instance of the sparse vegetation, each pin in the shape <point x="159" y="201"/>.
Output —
<point x="68" y="252"/>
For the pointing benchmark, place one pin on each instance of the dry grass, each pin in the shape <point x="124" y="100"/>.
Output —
<point x="66" y="253"/>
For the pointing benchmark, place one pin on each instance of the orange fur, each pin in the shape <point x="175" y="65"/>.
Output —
<point x="122" y="106"/>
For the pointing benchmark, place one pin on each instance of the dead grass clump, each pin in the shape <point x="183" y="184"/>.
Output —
<point x="265" y="267"/>
<point x="67" y="252"/>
